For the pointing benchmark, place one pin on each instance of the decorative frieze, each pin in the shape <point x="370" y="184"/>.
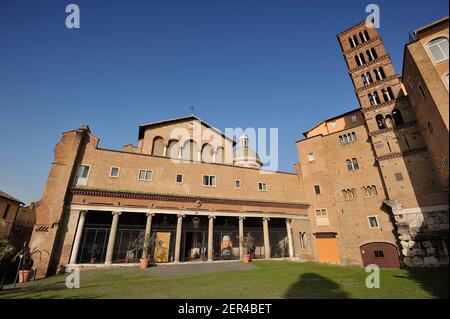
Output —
<point x="401" y="154"/>
<point x="184" y="198"/>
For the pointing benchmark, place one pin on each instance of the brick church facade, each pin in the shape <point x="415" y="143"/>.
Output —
<point x="370" y="185"/>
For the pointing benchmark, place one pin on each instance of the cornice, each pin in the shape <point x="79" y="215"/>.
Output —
<point x="183" y="198"/>
<point x="398" y="127"/>
<point x="391" y="77"/>
<point x="384" y="57"/>
<point x="385" y="104"/>
<point x="359" y="46"/>
<point x="401" y="154"/>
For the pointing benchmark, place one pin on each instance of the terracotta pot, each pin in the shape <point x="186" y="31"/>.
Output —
<point x="145" y="262"/>
<point x="25" y="275"/>
<point x="246" y="258"/>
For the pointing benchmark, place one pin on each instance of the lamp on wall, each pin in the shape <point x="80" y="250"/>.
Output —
<point x="195" y="222"/>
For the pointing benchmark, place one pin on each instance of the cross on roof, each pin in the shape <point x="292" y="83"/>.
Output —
<point x="192" y="107"/>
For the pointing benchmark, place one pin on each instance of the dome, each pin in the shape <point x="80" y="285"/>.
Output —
<point x="245" y="156"/>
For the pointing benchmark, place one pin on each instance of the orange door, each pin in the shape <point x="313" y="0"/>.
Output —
<point x="327" y="250"/>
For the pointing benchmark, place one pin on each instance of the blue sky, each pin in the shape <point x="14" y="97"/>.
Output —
<point x="242" y="63"/>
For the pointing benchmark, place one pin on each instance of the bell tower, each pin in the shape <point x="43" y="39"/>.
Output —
<point x="398" y="147"/>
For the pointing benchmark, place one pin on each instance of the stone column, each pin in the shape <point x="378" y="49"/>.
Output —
<point x="178" y="238"/>
<point x="266" y="237"/>
<point x="148" y="229"/>
<point x="77" y="241"/>
<point x="210" y="237"/>
<point x="289" y="234"/>
<point x="241" y="236"/>
<point x="112" y="238"/>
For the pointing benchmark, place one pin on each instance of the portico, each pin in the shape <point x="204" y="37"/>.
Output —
<point x="105" y="234"/>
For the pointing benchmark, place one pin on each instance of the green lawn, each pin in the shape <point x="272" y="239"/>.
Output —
<point x="266" y="279"/>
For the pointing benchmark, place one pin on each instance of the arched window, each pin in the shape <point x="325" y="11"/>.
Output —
<point x="352" y="164"/>
<point x="207" y="153"/>
<point x="369" y="77"/>
<point x="378" y="74"/>
<point x="369" y="55"/>
<point x="173" y="149"/>
<point x="397" y="116"/>
<point x="381" y="70"/>
<point x="353" y="136"/>
<point x="344" y="137"/>
<point x="362" y="37"/>
<point x="355" y="39"/>
<point x="380" y="121"/>
<point x="341" y="139"/>
<point x="219" y="155"/>
<point x="390" y="93"/>
<point x="353" y="192"/>
<point x="439" y="49"/>
<point x="344" y="194"/>
<point x="364" y="80"/>
<point x="387" y="94"/>
<point x="366" y="34"/>
<point x="352" y="44"/>
<point x="361" y="56"/>
<point x="364" y="189"/>
<point x="358" y="60"/>
<point x="374" y="190"/>
<point x="190" y="151"/>
<point x="376" y="98"/>
<point x="355" y="163"/>
<point x="388" y="121"/>
<point x="373" y="98"/>
<point x="158" y="146"/>
<point x="374" y="53"/>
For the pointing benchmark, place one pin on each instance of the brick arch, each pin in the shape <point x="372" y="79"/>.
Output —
<point x="158" y="146"/>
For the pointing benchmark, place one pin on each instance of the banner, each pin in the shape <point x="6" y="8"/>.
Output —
<point x="162" y="247"/>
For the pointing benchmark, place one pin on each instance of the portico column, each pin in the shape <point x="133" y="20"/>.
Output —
<point x="77" y="241"/>
<point x="289" y="234"/>
<point x="178" y="238"/>
<point x="112" y="238"/>
<point x="210" y="237"/>
<point x="148" y="228"/>
<point x="266" y="237"/>
<point x="241" y="236"/>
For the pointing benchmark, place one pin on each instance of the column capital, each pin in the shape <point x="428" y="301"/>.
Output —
<point x="83" y="213"/>
<point x="117" y="212"/>
<point x="212" y="217"/>
<point x="181" y="215"/>
<point x="266" y="218"/>
<point x="289" y="220"/>
<point x="241" y="217"/>
<point x="150" y="214"/>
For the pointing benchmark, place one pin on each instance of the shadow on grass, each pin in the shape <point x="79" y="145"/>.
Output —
<point x="433" y="280"/>
<point x="48" y="291"/>
<point x="312" y="285"/>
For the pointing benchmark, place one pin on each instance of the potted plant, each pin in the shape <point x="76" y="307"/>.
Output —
<point x="146" y="243"/>
<point x="6" y="248"/>
<point x="26" y="262"/>
<point x="248" y="242"/>
<point x="94" y="252"/>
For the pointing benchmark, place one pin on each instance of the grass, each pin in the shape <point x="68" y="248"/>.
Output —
<point x="267" y="279"/>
